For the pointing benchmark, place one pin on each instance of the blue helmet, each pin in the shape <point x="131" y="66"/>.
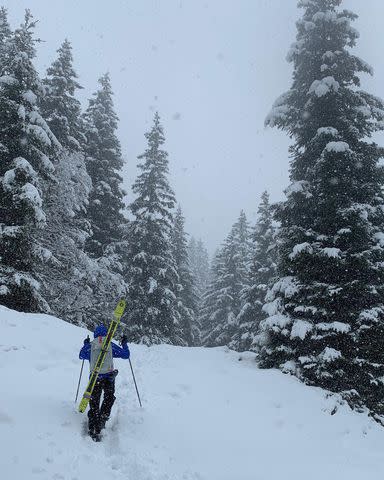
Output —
<point x="100" y="331"/>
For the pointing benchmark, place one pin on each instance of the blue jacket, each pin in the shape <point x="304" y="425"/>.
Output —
<point x="117" y="352"/>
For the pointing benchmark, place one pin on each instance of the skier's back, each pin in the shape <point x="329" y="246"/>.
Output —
<point x="98" y="416"/>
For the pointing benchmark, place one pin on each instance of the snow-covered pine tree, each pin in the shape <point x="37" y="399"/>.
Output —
<point x="200" y="266"/>
<point x="152" y="315"/>
<point x="26" y="144"/>
<point x="262" y="272"/>
<point x="326" y="322"/>
<point x="5" y="36"/>
<point x="104" y="161"/>
<point x="231" y="277"/>
<point x="208" y="306"/>
<point x="186" y="296"/>
<point x="79" y="289"/>
<point x="201" y="271"/>
<point x="60" y="108"/>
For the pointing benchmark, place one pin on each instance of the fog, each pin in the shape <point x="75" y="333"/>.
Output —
<point x="212" y="68"/>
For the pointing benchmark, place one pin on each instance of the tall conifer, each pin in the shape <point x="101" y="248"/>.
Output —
<point x="152" y="278"/>
<point x="326" y="320"/>
<point x="262" y="271"/>
<point x="231" y="276"/>
<point x="104" y="162"/>
<point x="187" y="299"/>
<point x="60" y="108"/>
<point x="26" y="144"/>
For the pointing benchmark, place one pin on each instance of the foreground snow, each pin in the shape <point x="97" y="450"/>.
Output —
<point x="205" y="416"/>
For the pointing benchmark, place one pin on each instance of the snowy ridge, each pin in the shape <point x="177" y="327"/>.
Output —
<point x="206" y="416"/>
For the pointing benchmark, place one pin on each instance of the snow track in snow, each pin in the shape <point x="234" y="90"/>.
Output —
<point x="206" y="416"/>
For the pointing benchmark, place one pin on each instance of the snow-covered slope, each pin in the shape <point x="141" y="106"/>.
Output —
<point x="205" y="416"/>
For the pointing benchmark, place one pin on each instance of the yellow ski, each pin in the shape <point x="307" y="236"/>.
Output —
<point x="118" y="313"/>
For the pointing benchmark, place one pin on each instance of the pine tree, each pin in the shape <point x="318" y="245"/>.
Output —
<point x="201" y="275"/>
<point x="208" y="311"/>
<point x="77" y="288"/>
<point x="74" y="286"/>
<point x="104" y="161"/>
<point x="262" y="271"/>
<point x="152" y="277"/>
<point x="60" y="108"/>
<point x="231" y="277"/>
<point x="26" y="143"/>
<point x="5" y="36"/>
<point x="326" y="310"/>
<point x="200" y="268"/>
<point x="187" y="300"/>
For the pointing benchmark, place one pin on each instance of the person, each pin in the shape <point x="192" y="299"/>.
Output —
<point x="99" y="415"/>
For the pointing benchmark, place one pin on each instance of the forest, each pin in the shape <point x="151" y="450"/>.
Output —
<point x="302" y="288"/>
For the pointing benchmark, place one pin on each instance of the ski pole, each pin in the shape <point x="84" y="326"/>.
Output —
<point x="81" y="373"/>
<point x="134" y="379"/>
<point x="78" y="386"/>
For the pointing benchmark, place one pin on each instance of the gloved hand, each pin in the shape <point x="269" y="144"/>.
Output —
<point x="124" y="340"/>
<point x="86" y="341"/>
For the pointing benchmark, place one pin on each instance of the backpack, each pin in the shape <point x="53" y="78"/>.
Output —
<point x="96" y="346"/>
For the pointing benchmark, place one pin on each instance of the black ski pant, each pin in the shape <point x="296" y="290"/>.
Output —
<point x="97" y="416"/>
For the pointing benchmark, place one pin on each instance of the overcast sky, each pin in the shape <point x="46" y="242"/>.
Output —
<point x="212" y="68"/>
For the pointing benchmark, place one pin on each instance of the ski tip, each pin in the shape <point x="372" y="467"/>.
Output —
<point x="121" y="304"/>
<point x="119" y="310"/>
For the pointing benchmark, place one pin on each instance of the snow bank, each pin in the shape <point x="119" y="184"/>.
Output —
<point x="206" y="416"/>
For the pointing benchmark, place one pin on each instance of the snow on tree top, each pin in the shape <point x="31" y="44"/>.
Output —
<point x="379" y="236"/>
<point x="288" y="367"/>
<point x="324" y="86"/>
<point x="8" y="80"/>
<point x="337" y="147"/>
<point x="294" y="50"/>
<point x="367" y="68"/>
<point x="288" y="286"/>
<point x="21" y="112"/>
<point x="19" y="163"/>
<point x="334" y="326"/>
<point x="30" y="97"/>
<point x="300" y="328"/>
<point x="152" y="285"/>
<point x="4" y="290"/>
<point x="299" y="186"/>
<point x="278" y="320"/>
<point x="327" y="131"/>
<point x="20" y="278"/>
<point x="301" y="248"/>
<point x="279" y="110"/>
<point x="331" y="252"/>
<point x="272" y="308"/>
<point x="329" y="355"/>
<point x="30" y="193"/>
<point x="40" y="133"/>
<point x="47" y="164"/>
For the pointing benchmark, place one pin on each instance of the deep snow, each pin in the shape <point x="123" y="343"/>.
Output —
<point x="206" y="416"/>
